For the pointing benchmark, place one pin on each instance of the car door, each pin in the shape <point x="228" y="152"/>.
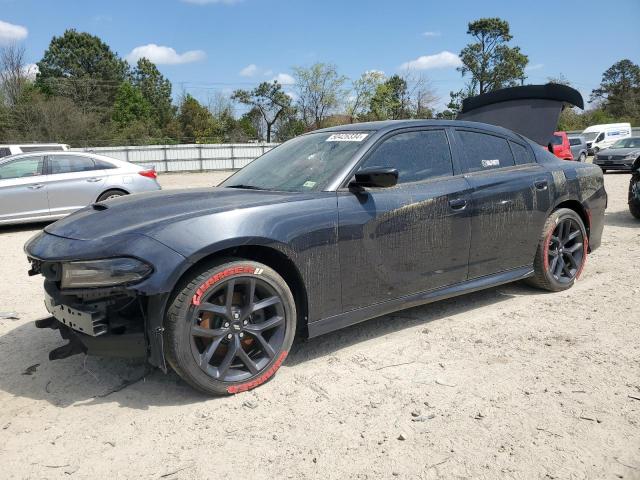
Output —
<point x="409" y="238"/>
<point x="23" y="193"/>
<point x="509" y="202"/>
<point x="73" y="182"/>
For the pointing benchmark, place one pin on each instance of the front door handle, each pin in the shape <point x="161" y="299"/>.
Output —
<point x="541" y="184"/>
<point x="458" y="204"/>
<point x="93" y="179"/>
<point x="36" y="186"/>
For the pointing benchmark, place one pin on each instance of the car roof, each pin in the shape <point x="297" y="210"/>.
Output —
<point x="65" y="153"/>
<point x="390" y="125"/>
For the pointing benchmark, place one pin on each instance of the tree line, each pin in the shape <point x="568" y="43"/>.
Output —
<point x="84" y="94"/>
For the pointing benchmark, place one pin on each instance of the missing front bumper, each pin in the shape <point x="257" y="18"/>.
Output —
<point x="128" y="345"/>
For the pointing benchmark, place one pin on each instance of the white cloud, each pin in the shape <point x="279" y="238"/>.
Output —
<point x="443" y="59"/>
<point x="162" y="55"/>
<point x="535" y="66"/>
<point x="431" y="34"/>
<point x="12" y="33"/>
<point x="30" y="70"/>
<point x="249" y="71"/>
<point x="284" y="79"/>
<point x="208" y="2"/>
<point x="268" y="73"/>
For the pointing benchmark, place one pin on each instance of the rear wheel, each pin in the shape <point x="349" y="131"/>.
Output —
<point x="634" y="195"/>
<point x="109" y="194"/>
<point x="230" y="327"/>
<point x="562" y="251"/>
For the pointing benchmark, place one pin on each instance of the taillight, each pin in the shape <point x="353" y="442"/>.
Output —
<point x="149" y="173"/>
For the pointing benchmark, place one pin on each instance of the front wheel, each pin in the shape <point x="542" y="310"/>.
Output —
<point x="634" y="195"/>
<point x="230" y="326"/>
<point x="583" y="157"/>
<point x="562" y="251"/>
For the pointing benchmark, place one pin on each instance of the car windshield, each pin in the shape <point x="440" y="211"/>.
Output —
<point x="633" y="142"/>
<point x="590" y="136"/>
<point x="303" y="164"/>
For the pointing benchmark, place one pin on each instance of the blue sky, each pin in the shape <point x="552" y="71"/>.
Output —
<point x="225" y="44"/>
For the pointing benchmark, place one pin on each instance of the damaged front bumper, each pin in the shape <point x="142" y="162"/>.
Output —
<point x="107" y="322"/>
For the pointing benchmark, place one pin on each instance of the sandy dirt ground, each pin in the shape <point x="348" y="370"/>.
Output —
<point x="507" y="383"/>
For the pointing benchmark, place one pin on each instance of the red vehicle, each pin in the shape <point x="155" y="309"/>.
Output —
<point x="560" y="146"/>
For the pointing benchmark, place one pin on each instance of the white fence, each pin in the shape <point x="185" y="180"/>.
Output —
<point x="187" y="158"/>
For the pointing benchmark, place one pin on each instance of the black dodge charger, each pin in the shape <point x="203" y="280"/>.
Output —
<point x="329" y="229"/>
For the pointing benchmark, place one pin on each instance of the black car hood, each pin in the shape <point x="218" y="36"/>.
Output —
<point x="144" y="212"/>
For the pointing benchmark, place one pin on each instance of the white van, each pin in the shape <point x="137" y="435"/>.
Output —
<point x="6" y="150"/>
<point x="603" y="136"/>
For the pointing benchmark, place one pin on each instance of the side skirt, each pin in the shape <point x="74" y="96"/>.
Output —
<point x="352" y="317"/>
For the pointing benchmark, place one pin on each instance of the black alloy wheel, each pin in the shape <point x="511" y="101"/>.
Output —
<point x="238" y="329"/>
<point x="229" y="326"/>
<point x="565" y="250"/>
<point x="562" y="251"/>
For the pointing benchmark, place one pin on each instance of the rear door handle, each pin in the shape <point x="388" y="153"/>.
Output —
<point x="458" y="204"/>
<point x="93" y="179"/>
<point x="541" y="184"/>
<point x="36" y="186"/>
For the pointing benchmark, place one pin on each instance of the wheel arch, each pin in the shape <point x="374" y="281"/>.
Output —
<point x="577" y="207"/>
<point x="273" y="258"/>
<point x="113" y="189"/>
<point x="636" y="165"/>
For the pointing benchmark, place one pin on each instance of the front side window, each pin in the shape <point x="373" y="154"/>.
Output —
<point x="70" y="164"/>
<point x="600" y="137"/>
<point x="303" y="164"/>
<point x="20" y="168"/>
<point x="417" y="156"/>
<point x="485" y="152"/>
<point x="574" y="141"/>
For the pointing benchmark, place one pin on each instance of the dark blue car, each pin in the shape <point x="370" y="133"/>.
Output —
<point x="329" y="229"/>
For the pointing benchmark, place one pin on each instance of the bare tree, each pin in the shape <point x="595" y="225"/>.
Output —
<point x="13" y="73"/>
<point x="319" y="89"/>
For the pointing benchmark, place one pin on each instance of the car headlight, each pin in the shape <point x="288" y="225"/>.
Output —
<point x="104" y="273"/>
<point x="631" y="156"/>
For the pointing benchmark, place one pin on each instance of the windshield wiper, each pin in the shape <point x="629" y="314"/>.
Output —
<point x="247" y="187"/>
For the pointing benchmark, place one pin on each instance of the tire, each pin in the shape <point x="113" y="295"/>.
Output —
<point x="634" y="199"/>
<point x="604" y="170"/>
<point x="583" y="157"/>
<point x="561" y="254"/>
<point x="221" y="343"/>
<point x="109" y="194"/>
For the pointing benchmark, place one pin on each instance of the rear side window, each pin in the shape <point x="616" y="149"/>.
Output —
<point x="70" y="164"/>
<point x="556" y="140"/>
<point x="102" y="165"/>
<point x="485" y="152"/>
<point x="521" y="154"/>
<point x="4" y="152"/>
<point x="416" y="155"/>
<point x="22" y="167"/>
<point x="574" y="141"/>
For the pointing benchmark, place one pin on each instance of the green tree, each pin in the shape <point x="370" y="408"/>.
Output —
<point x="155" y="89"/>
<point x="269" y="99"/>
<point x="490" y="61"/>
<point x="390" y="100"/>
<point x="82" y="67"/>
<point x="130" y="106"/>
<point x="196" y="122"/>
<point x="619" y="90"/>
<point x="319" y="91"/>
<point x="363" y="91"/>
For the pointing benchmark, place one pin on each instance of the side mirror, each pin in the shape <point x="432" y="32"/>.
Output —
<point x="380" y="177"/>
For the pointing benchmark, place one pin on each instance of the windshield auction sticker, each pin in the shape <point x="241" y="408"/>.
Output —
<point x="347" y="137"/>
